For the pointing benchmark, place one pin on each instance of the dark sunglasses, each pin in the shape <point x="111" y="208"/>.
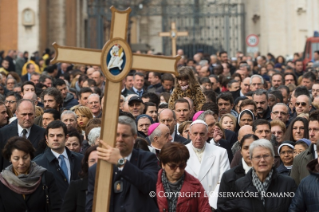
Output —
<point x="174" y="166"/>
<point x="303" y="104"/>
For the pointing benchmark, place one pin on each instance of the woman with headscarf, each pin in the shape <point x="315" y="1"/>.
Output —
<point x="286" y="153"/>
<point x="245" y="117"/>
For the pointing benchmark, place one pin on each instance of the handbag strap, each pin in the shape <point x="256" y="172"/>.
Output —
<point x="45" y="189"/>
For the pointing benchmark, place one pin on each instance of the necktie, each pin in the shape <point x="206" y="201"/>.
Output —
<point x="24" y="133"/>
<point x="63" y="167"/>
<point x="139" y="93"/>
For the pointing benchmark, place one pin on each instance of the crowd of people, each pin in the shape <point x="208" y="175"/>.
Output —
<point x="227" y="134"/>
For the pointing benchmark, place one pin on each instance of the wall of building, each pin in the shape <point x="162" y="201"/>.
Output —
<point x="8" y="24"/>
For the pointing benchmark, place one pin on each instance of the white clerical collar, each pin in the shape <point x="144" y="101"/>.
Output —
<point x="245" y="166"/>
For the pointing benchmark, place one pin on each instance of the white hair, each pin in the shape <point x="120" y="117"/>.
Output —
<point x="261" y="143"/>
<point x="256" y="75"/>
<point x="93" y="135"/>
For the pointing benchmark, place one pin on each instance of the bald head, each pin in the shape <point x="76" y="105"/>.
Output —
<point x="244" y="130"/>
<point x="31" y="96"/>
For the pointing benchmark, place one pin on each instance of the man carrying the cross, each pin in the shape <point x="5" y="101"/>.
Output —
<point x="134" y="172"/>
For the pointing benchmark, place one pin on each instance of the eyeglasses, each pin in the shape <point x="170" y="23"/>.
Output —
<point x="259" y="157"/>
<point x="303" y="104"/>
<point x="10" y="102"/>
<point x="279" y="112"/>
<point x="174" y="166"/>
<point x="290" y="152"/>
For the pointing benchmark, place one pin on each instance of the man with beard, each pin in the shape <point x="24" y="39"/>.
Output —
<point x="260" y="97"/>
<point x="52" y="99"/>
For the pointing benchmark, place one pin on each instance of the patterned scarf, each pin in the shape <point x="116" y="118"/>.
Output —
<point x="23" y="183"/>
<point x="261" y="186"/>
<point x="172" y="199"/>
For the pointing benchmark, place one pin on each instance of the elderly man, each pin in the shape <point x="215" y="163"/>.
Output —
<point x="256" y="82"/>
<point x="207" y="162"/>
<point x="168" y="117"/>
<point x="280" y="111"/>
<point x="22" y="126"/>
<point x="159" y="135"/>
<point x="134" y="172"/>
<point x="68" y="117"/>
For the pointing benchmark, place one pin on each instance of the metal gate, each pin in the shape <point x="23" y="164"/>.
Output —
<point x="213" y="25"/>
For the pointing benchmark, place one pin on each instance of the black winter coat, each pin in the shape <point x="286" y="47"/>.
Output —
<point x="74" y="199"/>
<point x="35" y="202"/>
<point x="306" y="197"/>
<point x="227" y="184"/>
<point x="279" y="185"/>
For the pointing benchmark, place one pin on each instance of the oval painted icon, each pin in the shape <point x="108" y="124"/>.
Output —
<point x="116" y="59"/>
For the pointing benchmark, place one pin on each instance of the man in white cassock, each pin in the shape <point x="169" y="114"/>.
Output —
<point x="207" y="162"/>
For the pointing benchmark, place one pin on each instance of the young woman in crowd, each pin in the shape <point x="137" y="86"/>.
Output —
<point x="228" y="122"/>
<point x="151" y="110"/>
<point x="83" y="114"/>
<point x="183" y="129"/>
<point x="297" y="130"/>
<point x="187" y="86"/>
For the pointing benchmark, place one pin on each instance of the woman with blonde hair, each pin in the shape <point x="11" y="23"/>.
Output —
<point x="228" y="122"/>
<point x="83" y="114"/>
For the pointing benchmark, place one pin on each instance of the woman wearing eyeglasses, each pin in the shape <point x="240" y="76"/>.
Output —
<point x="263" y="183"/>
<point x="176" y="190"/>
<point x="297" y="130"/>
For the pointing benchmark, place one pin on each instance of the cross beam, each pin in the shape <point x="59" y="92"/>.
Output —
<point x="173" y="34"/>
<point x="116" y="61"/>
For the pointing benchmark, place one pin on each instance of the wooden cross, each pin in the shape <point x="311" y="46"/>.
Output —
<point x="173" y="34"/>
<point x="116" y="61"/>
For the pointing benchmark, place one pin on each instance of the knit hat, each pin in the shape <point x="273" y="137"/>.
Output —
<point x="197" y="114"/>
<point x="152" y="128"/>
<point x="305" y="140"/>
<point x="286" y="143"/>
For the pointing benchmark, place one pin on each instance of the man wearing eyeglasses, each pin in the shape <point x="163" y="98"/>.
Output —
<point x="280" y="111"/>
<point x="207" y="162"/>
<point x="11" y="101"/>
<point x="134" y="172"/>
<point x="303" y="104"/>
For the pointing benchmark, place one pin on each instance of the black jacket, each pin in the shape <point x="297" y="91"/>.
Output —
<point x="69" y="102"/>
<point x="279" y="185"/>
<point x="226" y="145"/>
<point x="231" y="137"/>
<point x="51" y="163"/>
<point x="306" y="197"/>
<point x="126" y="92"/>
<point x="227" y="184"/>
<point x="160" y="90"/>
<point x="8" y="131"/>
<point x="281" y="169"/>
<point x="25" y="78"/>
<point x="74" y="200"/>
<point x="266" y="115"/>
<point x="139" y="176"/>
<point x="10" y="201"/>
<point x="180" y="139"/>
